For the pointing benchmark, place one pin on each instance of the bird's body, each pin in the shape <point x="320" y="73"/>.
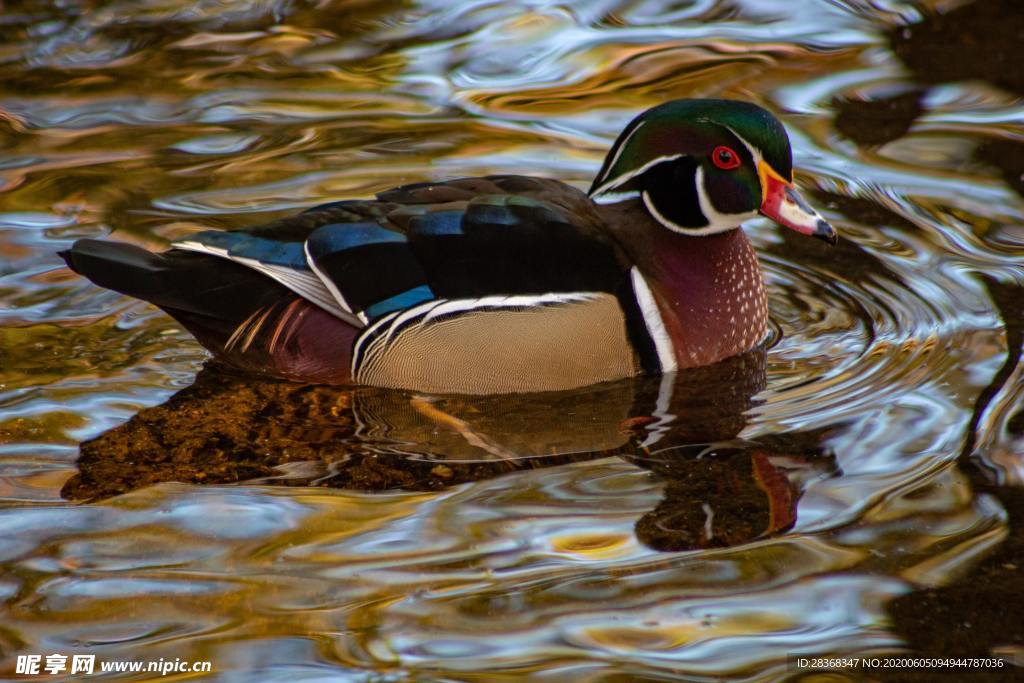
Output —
<point x="496" y="284"/>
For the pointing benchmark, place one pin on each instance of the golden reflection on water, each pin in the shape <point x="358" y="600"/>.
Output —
<point x="707" y="526"/>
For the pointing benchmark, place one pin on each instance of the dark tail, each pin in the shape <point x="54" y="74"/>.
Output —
<point x="242" y="316"/>
<point x="176" y="281"/>
<point x="209" y="295"/>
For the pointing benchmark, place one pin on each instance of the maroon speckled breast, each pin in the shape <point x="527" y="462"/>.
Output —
<point x="710" y="292"/>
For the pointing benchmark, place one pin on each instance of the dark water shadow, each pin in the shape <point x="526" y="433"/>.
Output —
<point x="1007" y="157"/>
<point x="978" y="40"/>
<point x="879" y="119"/>
<point x="974" y="41"/>
<point x="718" y="491"/>
<point x="981" y="614"/>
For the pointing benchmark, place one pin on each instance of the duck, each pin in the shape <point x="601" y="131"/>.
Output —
<point x="497" y="284"/>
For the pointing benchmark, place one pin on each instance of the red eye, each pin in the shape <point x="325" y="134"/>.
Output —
<point x="725" y="158"/>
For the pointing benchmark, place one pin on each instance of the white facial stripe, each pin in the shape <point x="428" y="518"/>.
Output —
<point x="615" y="197"/>
<point x="755" y="153"/>
<point x="612" y="184"/>
<point x="622" y="146"/>
<point x="717" y="221"/>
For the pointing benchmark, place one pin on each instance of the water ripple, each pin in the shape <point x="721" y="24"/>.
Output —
<point x="708" y="526"/>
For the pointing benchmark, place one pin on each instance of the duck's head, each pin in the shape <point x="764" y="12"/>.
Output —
<point x="702" y="167"/>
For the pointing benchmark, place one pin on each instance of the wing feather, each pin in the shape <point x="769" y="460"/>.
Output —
<point x="301" y="281"/>
<point x="468" y="239"/>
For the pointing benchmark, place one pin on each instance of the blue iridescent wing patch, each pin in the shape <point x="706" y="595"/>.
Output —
<point x="370" y="269"/>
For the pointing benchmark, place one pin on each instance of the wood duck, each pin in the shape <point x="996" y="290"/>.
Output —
<point x="498" y="284"/>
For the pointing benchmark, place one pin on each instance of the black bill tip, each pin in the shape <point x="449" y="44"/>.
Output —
<point x="824" y="231"/>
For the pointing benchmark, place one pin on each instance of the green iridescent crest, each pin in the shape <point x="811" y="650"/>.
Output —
<point x="694" y="127"/>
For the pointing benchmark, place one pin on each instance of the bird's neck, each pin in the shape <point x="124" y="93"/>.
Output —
<point x="709" y="289"/>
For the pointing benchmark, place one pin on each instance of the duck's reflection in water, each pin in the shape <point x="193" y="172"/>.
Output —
<point x="719" y="491"/>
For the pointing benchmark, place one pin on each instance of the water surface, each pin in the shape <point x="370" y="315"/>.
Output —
<point x="709" y="525"/>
